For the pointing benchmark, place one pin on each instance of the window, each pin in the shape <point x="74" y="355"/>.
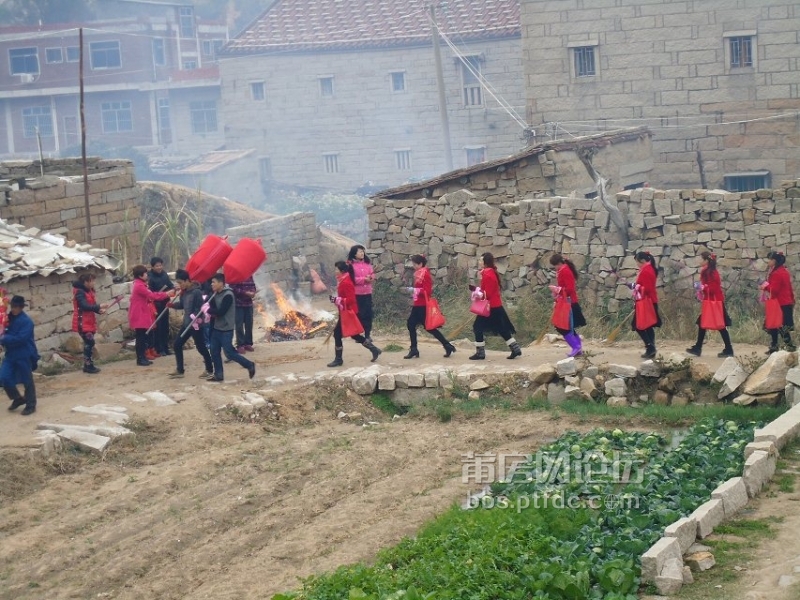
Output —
<point x="747" y="181"/>
<point x="189" y="65"/>
<point x="398" y="81"/>
<point x="164" y="121"/>
<point x="326" y="87"/>
<point x="402" y="159"/>
<point x="584" y="61"/>
<point x="24" y="60"/>
<point x="470" y="69"/>
<point x="73" y="54"/>
<point x="105" y="55"/>
<point x="53" y="55"/>
<point x="203" y="116"/>
<point x="159" y="56"/>
<point x="37" y="118"/>
<point x="212" y="47"/>
<point x="187" y="22"/>
<point x="476" y="155"/>
<point x="116" y="117"/>
<point x="741" y="51"/>
<point x="265" y="168"/>
<point x="331" y="162"/>
<point x="257" y="91"/>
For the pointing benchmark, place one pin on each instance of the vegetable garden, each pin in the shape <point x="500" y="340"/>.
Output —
<point x="569" y="523"/>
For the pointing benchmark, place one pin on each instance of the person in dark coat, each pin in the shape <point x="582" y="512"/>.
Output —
<point x="158" y="281"/>
<point x="21" y="357"/>
<point x="191" y="301"/>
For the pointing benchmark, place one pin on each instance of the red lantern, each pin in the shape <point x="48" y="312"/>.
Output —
<point x="245" y="259"/>
<point x="208" y="258"/>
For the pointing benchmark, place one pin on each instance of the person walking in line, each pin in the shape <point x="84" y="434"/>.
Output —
<point x="497" y="320"/>
<point x="645" y="289"/>
<point x="21" y="358"/>
<point x="191" y="301"/>
<point x="345" y="300"/>
<point x="221" y="307"/>
<point x="710" y="288"/>
<point x="779" y="287"/>
<point x="158" y="281"/>
<point x="84" y="322"/>
<point x="422" y="290"/>
<point x="364" y="276"/>
<point x="244" y="293"/>
<point x="140" y="312"/>
<point x="566" y="289"/>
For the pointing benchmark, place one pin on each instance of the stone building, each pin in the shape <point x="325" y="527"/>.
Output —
<point x="334" y="94"/>
<point x="716" y="82"/>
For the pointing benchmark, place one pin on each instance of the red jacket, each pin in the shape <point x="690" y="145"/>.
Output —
<point x="780" y="286"/>
<point x="712" y="283"/>
<point x="424" y="283"/>
<point x="647" y="280"/>
<point x="346" y="290"/>
<point x="140" y="312"/>
<point x="84" y="307"/>
<point x="565" y="279"/>
<point x="490" y="284"/>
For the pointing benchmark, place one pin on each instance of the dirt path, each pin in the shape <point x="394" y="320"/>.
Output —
<point x="211" y="508"/>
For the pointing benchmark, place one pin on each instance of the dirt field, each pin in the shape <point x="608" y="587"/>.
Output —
<point x="203" y="506"/>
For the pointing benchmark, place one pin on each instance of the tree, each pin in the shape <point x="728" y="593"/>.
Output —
<point x="32" y="12"/>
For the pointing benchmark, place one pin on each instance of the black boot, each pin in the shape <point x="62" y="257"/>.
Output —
<point x="515" y="349"/>
<point x="337" y="362"/>
<point x="90" y="368"/>
<point x="30" y="399"/>
<point x="697" y="349"/>
<point x="14" y="396"/>
<point x="649" y="352"/>
<point x="412" y="353"/>
<point x="728" y="350"/>
<point x="376" y="352"/>
<point x="480" y="353"/>
<point x="787" y="339"/>
<point x="449" y="349"/>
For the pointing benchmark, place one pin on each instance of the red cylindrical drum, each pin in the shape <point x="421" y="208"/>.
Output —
<point x="245" y="259"/>
<point x="208" y="258"/>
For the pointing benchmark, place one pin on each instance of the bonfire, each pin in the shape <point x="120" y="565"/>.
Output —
<point x="290" y="324"/>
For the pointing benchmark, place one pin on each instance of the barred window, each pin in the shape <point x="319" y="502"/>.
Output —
<point x="741" y="49"/>
<point x="584" y="61"/>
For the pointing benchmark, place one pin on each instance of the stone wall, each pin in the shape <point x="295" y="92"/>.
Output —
<point x="282" y="237"/>
<point x="56" y="202"/>
<point x="674" y="225"/>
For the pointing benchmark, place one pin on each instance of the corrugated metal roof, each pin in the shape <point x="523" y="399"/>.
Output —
<point x="360" y="24"/>
<point x="29" y="251"/>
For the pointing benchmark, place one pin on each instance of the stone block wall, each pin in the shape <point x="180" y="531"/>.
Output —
<point x="282" y="237"/>
<point x="674" y="225"/>
<point x="55" y="202"/>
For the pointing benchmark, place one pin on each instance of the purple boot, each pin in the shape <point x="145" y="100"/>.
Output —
<point x="574" y="341"/>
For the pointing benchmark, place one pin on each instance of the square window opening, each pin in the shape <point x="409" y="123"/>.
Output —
<point x="470" y="78"/>
<point x="402" y="160"/>
<point x="54" y="55"/>
<point x="258" y="90"/>
<point x="331" y="163"/>
<point x="24" y="61"/>
<point x="398" y="82"/>
<point x="105" y="55"/>
<point x="584" y="61"/>
<point x="326" y="87"/>
<point x="741" y="51"/>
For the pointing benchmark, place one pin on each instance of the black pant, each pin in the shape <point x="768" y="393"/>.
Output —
<point x="416" y="318"/>
<point x="88" y="348"/>
<point x="30" y="394"/>
<point x="200" y="345"/>
<point x="141" y="344"/>
<point x="364" y="302"/>
<point x="337" y="335"/>
<point x="244" y="325"/>
<point x="161" y="330"/>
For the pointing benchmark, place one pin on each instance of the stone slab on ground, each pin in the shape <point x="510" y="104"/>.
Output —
<point x="684" y="530"/>
<point x="670" y="580"/>
<point x="758" y="470"/>
<point x="159" y="398"/>
<point x="733" y="494"/>
<point x="109" y="415"/>
<point x="782" y="430"/>
<point x="656" y="557"/>
<point x="88" y="441"/>
<point x="110" y="431"/>
<point x="708" y="516"/>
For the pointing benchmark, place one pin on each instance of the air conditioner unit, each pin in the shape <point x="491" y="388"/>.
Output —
<point x="27" y="77"/>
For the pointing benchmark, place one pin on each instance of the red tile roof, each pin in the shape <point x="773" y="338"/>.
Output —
<point x="361" y="24"/>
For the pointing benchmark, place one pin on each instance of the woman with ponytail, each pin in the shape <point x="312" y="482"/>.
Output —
<point x="643" y="290"/>
<point x="421" y="291"/>
<point x="779" y="287"/>
<point x="345" y="299"/>
<point x="566" y="290"/>
<point x="710" y="288"/>
<point x="497" y="321"/>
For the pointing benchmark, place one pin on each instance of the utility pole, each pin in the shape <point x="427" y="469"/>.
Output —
<point x="86" y="212"/>
<point x="437" y="52"/>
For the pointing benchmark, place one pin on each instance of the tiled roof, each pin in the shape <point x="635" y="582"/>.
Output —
<point x="211" y="161"/>
<point x="28" y="251"/>
<point x="361" y="24"/>
<point x="597" y="140"/>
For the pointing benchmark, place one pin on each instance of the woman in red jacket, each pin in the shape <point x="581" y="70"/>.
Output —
<point x="645" y="288"/>
<point x="566" y="289"/>
<point x="141" y="311"/>
<point x="711" y="289"/>
<point x="422" y="290"/>
<point x="497" y="321"/>
<point x="779" y="287"/>
<point x="345" y="299"/>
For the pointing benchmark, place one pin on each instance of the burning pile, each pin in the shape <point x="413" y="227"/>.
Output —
<point x="291" y="324"/>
